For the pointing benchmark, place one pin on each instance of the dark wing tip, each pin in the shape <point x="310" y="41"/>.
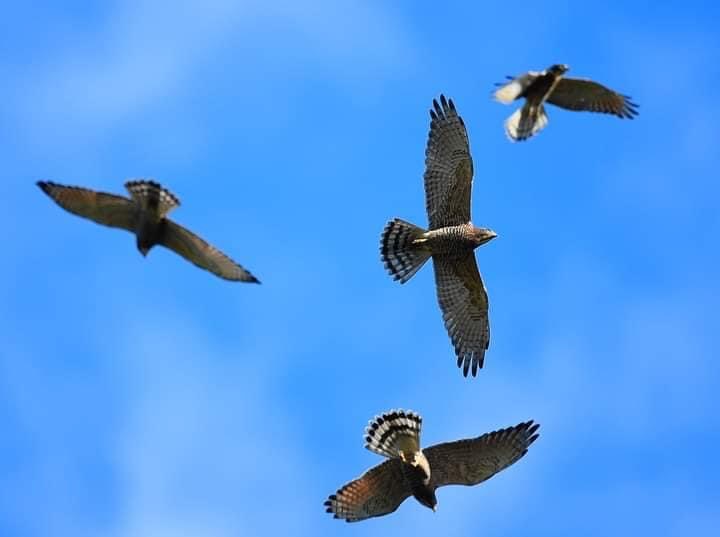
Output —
<point x="470" y="359"/>
<point x="436" y="112"/>
<point x="252" y="279"/>
<point x="150" y="182"/>
<point x="47" y="185"/>
<point x="530" y="428"/>
<point x="629" y="109"/>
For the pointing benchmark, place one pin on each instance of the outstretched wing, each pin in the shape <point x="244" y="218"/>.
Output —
<point x="377" y="492"/>
<point x="202" y="254"/>
<point x="507" y="92"/>
<point x="464" y="304"/>
<point x="472" y="461"/>
<point x="586" y="95"/>
<point x="106" y="209"/>
<point x="448" y="167"/>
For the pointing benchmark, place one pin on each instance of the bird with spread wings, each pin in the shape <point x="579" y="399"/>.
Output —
<point x="537" y="88"/>
<point x="450" y="240"/>
<point x="412" y="471"/>
<point x="145" y="215"/>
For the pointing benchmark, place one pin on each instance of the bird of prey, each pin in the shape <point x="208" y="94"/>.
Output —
<point x="450" y="240"/>
<point x="550" y="86"/>
<point x="412" y="471"/>
<point x="145" y="215"/>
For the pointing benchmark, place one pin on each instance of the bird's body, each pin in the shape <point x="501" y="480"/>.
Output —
<point x="148" y="232"/>
<point x="412" y="471"/>
<point x="152" y="204"/>
<point x="538" y="92"/>
<point x="551" y="86"/>
<point x="145" y="215"/>
<point x="450" y="239"/>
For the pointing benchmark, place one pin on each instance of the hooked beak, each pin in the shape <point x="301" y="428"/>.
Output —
<point x="488" y="237"/>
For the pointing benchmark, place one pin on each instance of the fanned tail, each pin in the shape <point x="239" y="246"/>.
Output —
<point x="395" y="434"/>
<point x="152" y="196"/>
<point x="525" y="122"/>
<point x="401" y="256"/>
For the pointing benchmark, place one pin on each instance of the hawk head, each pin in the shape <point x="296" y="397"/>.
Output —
<point x="144" y="246"/>
<point x="481" y="235"/>
<point x="558" y="69"/>
<point x="426" y="496"/>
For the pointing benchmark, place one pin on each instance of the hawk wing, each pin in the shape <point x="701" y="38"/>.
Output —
<point x="106" y="209"/>
<point x="202" y="254"/>
<point x="448" y="167"/>
<point x="472" y="461"/>
<point x="464" y="304"/>
<point x="507" y="92"/>
<point x="582" y="94"/>
<point x="377" y="492"/>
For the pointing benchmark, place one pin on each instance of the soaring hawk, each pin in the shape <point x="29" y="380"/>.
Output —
<point x="145" y="214"/>
<point x="411" y="471"/>
<point x="450" y="241"/>
<point x="549" y="86"/>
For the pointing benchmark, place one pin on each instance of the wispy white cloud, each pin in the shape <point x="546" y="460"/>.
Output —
<point x="202" y="447"/>
<point x="149" y="53"/>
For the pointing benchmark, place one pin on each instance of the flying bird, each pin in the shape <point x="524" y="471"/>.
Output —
<point x="550" y="86"/>
<point x="450" y="239"/>
<point x="412" y="471"/>
<point x="145" y="215"/>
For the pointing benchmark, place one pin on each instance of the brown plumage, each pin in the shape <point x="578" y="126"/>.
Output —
<point x="450" y="240"/>
<point x="145" y="215"/>
<point x="411" y="471"/>
<point x="552" y="87"/>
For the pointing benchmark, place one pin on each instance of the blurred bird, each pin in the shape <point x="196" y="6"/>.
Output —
<point x="550" y="86"/>
<point x="145" y="215"/>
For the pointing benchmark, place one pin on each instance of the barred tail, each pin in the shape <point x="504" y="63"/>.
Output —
<point x="152" y="196"/>
<point x="395" y="434"/>
<point x="526" y="122"/>
<point x="401" y="257"/>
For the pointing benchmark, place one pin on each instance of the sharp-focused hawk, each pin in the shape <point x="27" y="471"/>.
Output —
<point x="145" y="214"/>
<point x="450" y="241"/>
<point x="569" y="93"/>
<point x="411" y="471"/>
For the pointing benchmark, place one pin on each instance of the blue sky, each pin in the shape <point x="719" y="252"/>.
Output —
<point x="144" y="397"/>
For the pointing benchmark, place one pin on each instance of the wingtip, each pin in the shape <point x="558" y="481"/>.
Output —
<point x="531" y="432"/>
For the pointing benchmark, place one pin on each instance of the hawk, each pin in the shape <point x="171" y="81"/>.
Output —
<point x="450" y="240"/>
<point x="145" y="214"/>
<point x="411" y="471"/>
<point x="578" y="94"/>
